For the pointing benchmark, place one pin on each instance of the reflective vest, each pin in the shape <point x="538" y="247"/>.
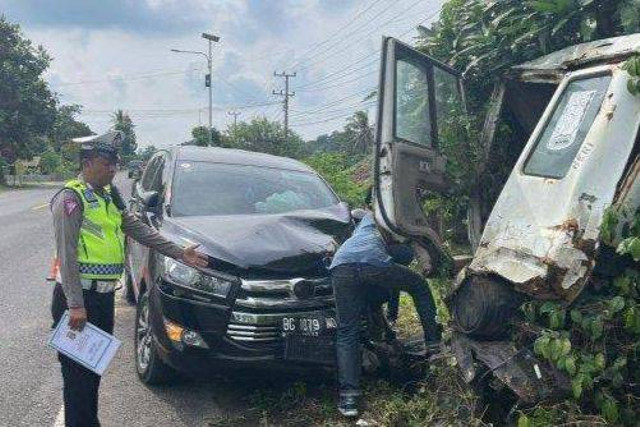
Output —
<point x="101" y="241"/>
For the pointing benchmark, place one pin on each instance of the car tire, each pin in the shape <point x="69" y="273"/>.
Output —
<point x="150" y="368"/>
<point x="129" y="294"/>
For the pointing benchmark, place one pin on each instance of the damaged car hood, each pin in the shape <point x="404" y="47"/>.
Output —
<point x="292" y="242"/>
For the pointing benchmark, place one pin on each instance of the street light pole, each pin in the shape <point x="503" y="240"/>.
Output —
<point x="210" y="38"/>
<point x="208" y="81"/>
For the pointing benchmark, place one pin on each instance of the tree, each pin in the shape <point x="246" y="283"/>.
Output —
<point x="66" y="127"/>
<point x="146" y="153"/>
<point x="201" y="137"/>
<point x="266" y="137"/>
<point x="27" y="106"/>
<point x="122" y="122"/>
<point x="361" y="133"/>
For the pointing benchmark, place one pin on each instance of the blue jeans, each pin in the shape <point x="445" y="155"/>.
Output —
<point x="351" y="284"/>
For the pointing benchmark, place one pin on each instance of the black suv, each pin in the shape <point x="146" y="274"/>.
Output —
<point x="270" y="226"/>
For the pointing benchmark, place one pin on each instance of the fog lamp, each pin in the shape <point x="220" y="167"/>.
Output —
<point x="181" y="335"/>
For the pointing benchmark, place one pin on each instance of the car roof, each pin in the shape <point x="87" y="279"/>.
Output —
<point x="581" y="55"/>
<point x="238" y="157"/>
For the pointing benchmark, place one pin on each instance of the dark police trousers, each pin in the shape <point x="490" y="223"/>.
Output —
<point x="81" y="385"/>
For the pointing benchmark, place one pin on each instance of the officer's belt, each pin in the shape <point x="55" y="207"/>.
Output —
<point x="100" y="286"/>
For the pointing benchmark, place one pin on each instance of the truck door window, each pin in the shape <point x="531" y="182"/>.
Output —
<point x="448" y="97"/>
<point x="568" y="127"/>
<point x="413" y="122"/>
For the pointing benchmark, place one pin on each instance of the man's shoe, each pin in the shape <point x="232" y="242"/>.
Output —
<point x="348" y="406"/>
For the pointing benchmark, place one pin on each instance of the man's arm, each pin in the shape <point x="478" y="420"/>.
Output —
<point x="67" y="220"/>
<point x="424" y="259"/>
<point x="147" y="236"/>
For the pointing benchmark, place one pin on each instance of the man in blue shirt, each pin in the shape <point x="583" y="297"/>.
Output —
<point x="361" y="265"/>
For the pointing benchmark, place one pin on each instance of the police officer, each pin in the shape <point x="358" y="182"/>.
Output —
<point x="90" y="221"/>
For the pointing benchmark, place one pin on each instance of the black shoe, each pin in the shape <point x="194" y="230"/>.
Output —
<point x="348" y="406"/>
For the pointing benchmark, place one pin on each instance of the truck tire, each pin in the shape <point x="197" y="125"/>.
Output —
<point x="484" y="306"/>
<point x="149" y="366"/>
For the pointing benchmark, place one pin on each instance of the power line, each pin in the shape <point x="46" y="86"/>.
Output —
<point x="340" y="72"/>
<point x="342" y="47"/>
<point x="319" y="88"/>
<point x="351" y="21"/>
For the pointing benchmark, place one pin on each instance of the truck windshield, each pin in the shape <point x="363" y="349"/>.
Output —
<point x="565" y="133"/>
<point x="212" y="189"/>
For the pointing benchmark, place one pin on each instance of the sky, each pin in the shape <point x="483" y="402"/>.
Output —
<point x="116" y="54"/>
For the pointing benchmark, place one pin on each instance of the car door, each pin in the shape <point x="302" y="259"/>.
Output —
<point x="137" y="254"/>
<point x="414" y="98"/>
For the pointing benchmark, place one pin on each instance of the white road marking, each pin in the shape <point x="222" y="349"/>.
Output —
<point x="59" y="422"/>
<point x="35" y="208"/>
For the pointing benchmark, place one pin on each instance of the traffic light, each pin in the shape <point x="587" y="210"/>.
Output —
<point x="207" y="80"/>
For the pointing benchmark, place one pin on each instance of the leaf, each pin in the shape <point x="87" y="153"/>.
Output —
<point x="576" y="387"/>
<point x="547" y="307"/>
<point x="565" y="346"/>
<point x="600" y="361"/>
<point x="634" y="249"/>
<point x="524" y="421"/>
<point x="576" y="316"/>
<point x="541" y="346"/>
<point x="632" y="87"/>
<point x="597" y="328"/>
<point x="570" y="365"/>
<point x="616" y="304"/>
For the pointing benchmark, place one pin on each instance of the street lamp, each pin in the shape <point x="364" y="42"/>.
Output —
<point x="211" y="38"/>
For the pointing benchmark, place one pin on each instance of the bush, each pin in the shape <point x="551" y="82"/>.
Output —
<point x="338" y="170"/>
<point x="50" y="162"/>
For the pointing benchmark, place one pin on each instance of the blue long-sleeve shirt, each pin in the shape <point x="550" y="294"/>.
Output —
<point x="365" y="246"/>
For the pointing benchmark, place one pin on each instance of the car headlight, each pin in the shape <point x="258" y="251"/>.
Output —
<point x="183" y="275"/>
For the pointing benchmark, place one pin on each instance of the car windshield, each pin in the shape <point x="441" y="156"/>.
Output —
<point x="213" y="189"/>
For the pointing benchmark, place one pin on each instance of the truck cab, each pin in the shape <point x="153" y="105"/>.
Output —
<point x="541" y="238"/>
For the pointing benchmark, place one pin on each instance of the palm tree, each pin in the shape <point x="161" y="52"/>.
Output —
<point x="358" y="126"/>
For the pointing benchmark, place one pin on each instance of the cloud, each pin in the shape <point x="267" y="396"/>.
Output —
<point x="139" y="16"/>
<point x="115" y="54"/>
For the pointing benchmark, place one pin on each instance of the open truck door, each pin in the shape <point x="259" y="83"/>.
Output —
<point x="414" y="97"/>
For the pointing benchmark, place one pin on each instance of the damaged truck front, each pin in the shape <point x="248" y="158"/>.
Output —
<point x="541" y="238"/>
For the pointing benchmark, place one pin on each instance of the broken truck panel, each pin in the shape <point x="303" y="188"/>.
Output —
<point x="553" y="66"/>
<point x="529" y="378"/>
<point x="543" y="231"/>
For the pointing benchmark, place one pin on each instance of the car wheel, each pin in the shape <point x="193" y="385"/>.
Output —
<point x="151" y="369"/>
<point x="129" y="294"/>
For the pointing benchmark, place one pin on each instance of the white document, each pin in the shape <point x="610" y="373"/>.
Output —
<point x="92" y="348"/>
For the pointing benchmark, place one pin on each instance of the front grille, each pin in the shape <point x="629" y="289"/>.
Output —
<point x="286" y="294"/>
<point x="252" y="333"/>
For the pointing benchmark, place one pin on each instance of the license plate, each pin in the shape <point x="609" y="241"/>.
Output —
<point x="309" y="339"/>
<point x="308" y="326"/>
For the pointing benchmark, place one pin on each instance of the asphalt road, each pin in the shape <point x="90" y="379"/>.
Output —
<point x="30" y="380"/>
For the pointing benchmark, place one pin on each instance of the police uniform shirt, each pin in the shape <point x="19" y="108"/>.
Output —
<point x="66" y="208"/>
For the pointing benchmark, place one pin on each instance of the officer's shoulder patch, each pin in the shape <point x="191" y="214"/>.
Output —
<point x="70" y="203"/>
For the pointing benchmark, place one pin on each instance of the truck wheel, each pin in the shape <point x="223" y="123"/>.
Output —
<point x="151" y="369"/>
<point x="483" y="307"/>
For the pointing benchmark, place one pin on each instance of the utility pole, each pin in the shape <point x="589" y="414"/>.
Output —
<point x="235" y="115"/>
<point x="285" y="103"/>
